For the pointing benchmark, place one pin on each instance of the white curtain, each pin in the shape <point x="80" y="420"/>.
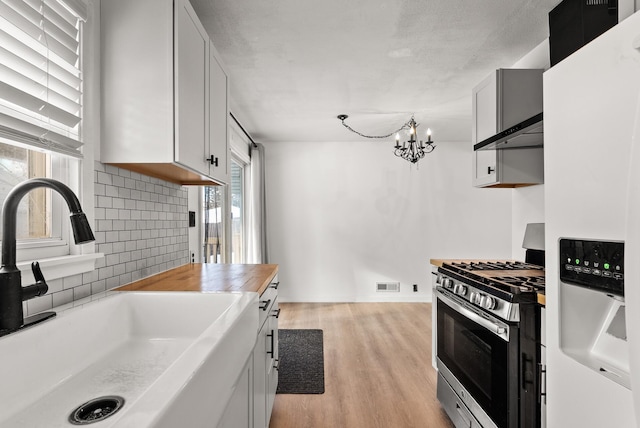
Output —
<point x="257" y="221"/>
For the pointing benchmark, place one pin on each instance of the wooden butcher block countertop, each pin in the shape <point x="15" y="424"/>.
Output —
<point x="208" y="277"/>
<point x="542" y="300"/>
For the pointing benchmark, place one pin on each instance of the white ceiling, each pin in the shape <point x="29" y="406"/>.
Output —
<point x="295" y="65"/>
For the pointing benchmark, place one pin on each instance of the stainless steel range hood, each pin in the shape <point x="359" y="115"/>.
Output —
<point x="528" y="133"/>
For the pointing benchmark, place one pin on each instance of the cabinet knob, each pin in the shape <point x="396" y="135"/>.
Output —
<point x="490" y="170"/>
<point x="212" y="160"/>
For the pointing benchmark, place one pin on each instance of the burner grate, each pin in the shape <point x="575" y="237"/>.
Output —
<point x="494" y="265"/>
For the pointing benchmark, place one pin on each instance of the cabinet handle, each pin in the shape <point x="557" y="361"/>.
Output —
<point x="490" y="170"/>
<point x="265" y="304"/>
<point x="272" y="342"/>
<point x="212" y="160"/>
<point x="526" y="364"/>
<point x="276" y="313"/>
<point x="274" y="285"/>
<point x="542" y="382"/>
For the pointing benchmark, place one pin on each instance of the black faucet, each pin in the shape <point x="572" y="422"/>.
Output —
<point x="12" y="294"/>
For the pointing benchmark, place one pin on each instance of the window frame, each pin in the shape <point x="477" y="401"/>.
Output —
<point x="60" y="256"/>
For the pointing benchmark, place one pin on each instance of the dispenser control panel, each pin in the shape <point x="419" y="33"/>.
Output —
<point x="598" y="265"/>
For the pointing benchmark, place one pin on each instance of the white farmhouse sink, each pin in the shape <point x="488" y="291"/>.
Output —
<point x="172" y="356"/>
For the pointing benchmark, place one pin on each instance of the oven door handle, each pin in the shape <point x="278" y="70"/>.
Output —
<point x="500" y="330"/>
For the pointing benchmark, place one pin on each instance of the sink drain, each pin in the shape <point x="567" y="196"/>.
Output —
<point x="96" y="410"/>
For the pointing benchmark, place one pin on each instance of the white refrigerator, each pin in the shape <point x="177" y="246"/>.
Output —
<point x="592" y="192"/>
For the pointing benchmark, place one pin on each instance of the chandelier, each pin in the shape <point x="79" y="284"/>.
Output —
<point x="412" y="149"/>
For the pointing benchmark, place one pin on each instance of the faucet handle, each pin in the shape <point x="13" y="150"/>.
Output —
<point x="37" y="273"/>
<point x="40" y="288"/>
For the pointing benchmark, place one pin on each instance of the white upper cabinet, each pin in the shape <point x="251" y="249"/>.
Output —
<point x="506" y="98"/>
<point x="163" y="101"/>
<point x="191" y="53"/>
<point x="219" y="144"/>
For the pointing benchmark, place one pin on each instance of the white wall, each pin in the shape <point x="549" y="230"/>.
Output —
<point x="528" y="202"/>
<point x="342" y="217"/>
<point x="527" y="207"/>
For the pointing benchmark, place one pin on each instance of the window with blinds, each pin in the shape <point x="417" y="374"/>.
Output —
<point x="40" y="74"/>
<point x="40" y="114"/>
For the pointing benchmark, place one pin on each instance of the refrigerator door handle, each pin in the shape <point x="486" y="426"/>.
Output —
<point x="632" y="255"/>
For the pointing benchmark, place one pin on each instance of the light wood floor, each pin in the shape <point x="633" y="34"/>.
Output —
<point x="378" y="370"/>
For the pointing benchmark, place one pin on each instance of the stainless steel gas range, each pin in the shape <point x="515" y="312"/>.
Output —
<point x="488" y="343"/>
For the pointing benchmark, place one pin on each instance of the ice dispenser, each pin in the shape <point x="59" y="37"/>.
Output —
<point x="592" y="309"/>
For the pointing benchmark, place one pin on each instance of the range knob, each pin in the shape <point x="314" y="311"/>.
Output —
<point x="447" y="283"/>
<point x="474" y="297"/>
<point x="487" y="302"/>
<point x="460" y="289"/>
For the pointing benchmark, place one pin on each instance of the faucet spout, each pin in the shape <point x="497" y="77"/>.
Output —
<point x="11" y="292"/>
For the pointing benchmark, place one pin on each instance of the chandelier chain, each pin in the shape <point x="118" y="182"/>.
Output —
<point x="402" y="128"/>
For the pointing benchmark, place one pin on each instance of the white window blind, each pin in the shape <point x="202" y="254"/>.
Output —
<point x="40" y="74"/>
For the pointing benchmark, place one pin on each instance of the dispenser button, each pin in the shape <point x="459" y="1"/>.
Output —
<point x="618" y="276"/>
<point x="568" y="267"/>
<point x="607" y="274"/>
<point x="596" y="272"/>
<point x="577" y="269"/>
<point x="586" y="270"/>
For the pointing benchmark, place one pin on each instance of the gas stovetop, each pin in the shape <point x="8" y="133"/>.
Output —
<point x="512" y="277"/>
<point x="474" y="265"/>
<point x="496" y="286"/>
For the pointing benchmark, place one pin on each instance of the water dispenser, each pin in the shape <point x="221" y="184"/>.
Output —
<point x="592" y="308"/>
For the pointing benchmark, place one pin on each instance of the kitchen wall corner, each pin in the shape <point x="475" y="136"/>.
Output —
<point x="527" y="207"/>
<point x="141" y="227"/>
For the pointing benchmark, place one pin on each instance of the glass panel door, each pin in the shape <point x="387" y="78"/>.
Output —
<point x="214" y="208"/>
<point x="237" y="213"/>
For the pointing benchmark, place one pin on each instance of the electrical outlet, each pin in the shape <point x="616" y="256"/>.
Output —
<point x="193" y="257"/>
<point x="415" y="288"/>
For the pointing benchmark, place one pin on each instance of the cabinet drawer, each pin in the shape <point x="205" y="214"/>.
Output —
<point x="266" y="301"/>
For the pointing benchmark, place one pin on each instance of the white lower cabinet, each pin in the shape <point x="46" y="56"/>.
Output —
<point x="272" y="359"/>
<point x="543" y="367"/>
<point x="265" y="357"/>
<point x="239" y="409"/>
<point x="255" y="390"/>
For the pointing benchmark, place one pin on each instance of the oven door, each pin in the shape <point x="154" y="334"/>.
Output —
<point x="478" y="350"/>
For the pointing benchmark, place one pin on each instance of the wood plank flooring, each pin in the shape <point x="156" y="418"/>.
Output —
<point x="378" y="370"/>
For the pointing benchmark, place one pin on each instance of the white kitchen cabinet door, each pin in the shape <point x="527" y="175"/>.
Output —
<point x="191" y="44"/>
<point x="485" y="124"/>
<point x="505" y="98"/>
<point x="260" y="379"/>
<point x="218" y="148"/>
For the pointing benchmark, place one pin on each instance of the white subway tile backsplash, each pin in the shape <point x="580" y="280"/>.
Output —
<point x="141" y="226"/>
<point x="39" y="304"/>
<point x="62" y="298"/>
<point x="55" y="285"/>
<point x="72" y="281"/>
<point x="81" y="292"/>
